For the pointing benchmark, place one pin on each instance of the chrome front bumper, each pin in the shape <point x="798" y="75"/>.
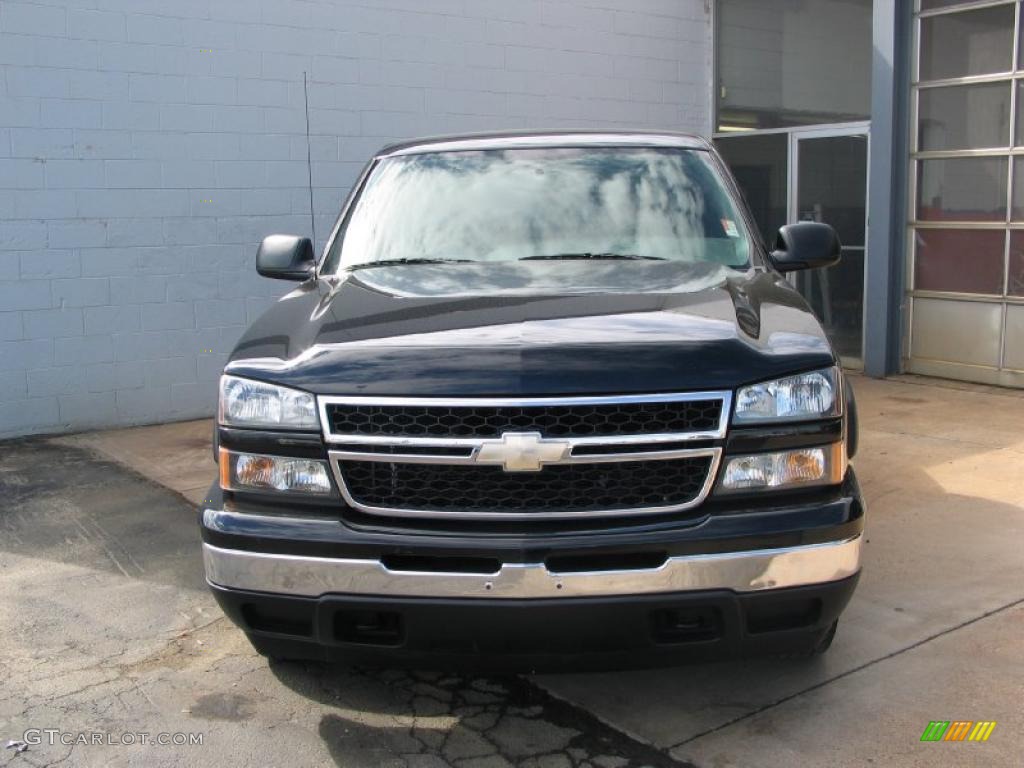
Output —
<point x="749" y="571"/>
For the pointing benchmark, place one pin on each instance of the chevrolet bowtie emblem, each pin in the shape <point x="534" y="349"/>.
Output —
<point x="521" y="451"/>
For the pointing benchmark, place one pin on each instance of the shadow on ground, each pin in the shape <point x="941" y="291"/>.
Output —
<point x="399" y="718"/>
<point x="68" y="505"/>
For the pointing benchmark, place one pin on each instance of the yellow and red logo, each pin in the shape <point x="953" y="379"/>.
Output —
<point x="958" y="730"/>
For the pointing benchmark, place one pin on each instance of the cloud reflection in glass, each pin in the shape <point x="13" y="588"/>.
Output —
<point x="504" y="205"/>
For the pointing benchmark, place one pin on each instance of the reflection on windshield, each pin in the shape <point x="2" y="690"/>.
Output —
<point x="505" y="205"/>
<point x="546" y="278"/>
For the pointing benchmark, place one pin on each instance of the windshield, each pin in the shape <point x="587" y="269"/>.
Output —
<point x="510" y="205"/>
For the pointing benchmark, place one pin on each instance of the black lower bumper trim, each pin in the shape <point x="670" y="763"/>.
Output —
<point x="552" y="634"/>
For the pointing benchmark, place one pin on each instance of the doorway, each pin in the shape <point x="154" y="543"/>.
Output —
<point x="814" y="173"/>
<point x="828" y="183"/>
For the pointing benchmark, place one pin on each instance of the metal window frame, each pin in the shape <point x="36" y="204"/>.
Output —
<point x="1014" y="154"/>
<point x="967" y="5"/>
<point x="860" y="128"/>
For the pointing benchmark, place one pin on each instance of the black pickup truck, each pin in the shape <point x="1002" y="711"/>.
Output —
<point x="544" y="398"/>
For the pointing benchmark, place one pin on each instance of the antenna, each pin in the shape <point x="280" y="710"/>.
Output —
<point x="309" y="160"/>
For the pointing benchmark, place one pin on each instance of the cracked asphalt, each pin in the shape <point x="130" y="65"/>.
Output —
<point x="106" y="627"/>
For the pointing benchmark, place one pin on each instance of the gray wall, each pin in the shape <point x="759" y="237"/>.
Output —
<point x="147" y="145"/>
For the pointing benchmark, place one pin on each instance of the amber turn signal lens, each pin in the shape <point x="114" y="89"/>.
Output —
<point x="251" y="471"/>
<point x="224" y="466"/>
<point x="823" y="465"/>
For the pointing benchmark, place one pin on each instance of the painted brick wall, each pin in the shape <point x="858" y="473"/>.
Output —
<point x="146" y="146"/>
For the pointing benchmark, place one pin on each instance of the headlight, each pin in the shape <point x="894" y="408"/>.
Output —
<point x="257" y="472"/>
<point x="812" y="395"/>
<point x="248" y="403"/>
<point x="824" y="465"/>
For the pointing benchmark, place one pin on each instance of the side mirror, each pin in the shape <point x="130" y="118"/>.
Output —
<point x="285" y="257"/>
<point x="805" y="245"/>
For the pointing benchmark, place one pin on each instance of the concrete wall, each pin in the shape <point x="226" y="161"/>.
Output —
<point x="147" y="145"/>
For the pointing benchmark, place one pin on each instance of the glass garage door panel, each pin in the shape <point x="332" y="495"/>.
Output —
<point x="832" y="188"/>
<point x="959" y="260"/>
<point x="975" y="42"/>
<point x="963" y="331"/>
<point x="962" y="189"/>
<point x="958" y="117"/>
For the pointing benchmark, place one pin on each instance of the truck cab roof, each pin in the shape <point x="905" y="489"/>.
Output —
<point x="527" y="139"/>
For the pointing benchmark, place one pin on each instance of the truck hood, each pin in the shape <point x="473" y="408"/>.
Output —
<point x="533" y="328"/>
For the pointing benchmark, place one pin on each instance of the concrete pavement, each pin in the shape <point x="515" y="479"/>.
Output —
<point x="108" y="623"/>
<point x="108" y="629"/>
<point x="178" y="456"/>
<point x="942" y="470"/>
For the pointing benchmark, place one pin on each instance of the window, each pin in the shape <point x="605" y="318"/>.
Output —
<point x="788" y="63"/>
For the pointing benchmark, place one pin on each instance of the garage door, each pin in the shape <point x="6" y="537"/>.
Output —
<point x="965" y="268"/>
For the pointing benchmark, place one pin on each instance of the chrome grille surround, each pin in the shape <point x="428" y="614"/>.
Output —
<point x="554" y="421"/>
<point x="465" y="451"/>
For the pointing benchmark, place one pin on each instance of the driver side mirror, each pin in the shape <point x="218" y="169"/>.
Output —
<point x="286" y="257"/>
<point x="805" y="245"/>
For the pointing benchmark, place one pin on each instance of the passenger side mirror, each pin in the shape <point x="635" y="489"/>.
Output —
<point x="805" y="245"/>
<point x="285" y="257"/>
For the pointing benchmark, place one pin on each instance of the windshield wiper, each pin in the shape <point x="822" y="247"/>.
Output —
<point x="395" y="262"/>
<point x="588" y="255"/>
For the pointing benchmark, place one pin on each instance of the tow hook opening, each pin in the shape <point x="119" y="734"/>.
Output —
<point x="279" y="618"/>
<point x="671" y="626"/>
<point x="796" y="613"/>
<point x="368" y="627"/>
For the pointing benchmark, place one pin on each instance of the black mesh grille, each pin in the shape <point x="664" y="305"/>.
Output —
<point x="550" y="420"/>
<point x="558" y="488"/>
